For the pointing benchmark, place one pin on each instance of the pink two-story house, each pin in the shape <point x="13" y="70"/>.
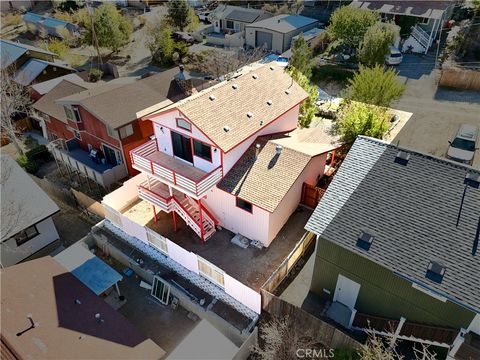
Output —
<point x="224" y="170"/>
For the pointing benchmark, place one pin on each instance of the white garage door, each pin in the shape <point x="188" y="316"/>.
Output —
<point x="263" y="38"/>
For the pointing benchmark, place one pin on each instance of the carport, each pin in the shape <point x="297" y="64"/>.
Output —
<point x="89" y="269"/>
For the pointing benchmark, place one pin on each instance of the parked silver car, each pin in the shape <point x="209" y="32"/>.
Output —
<point x="463" y="146"/>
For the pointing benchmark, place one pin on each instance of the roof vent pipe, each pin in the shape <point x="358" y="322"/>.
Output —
<point x="257" y="151"/>
<point x="278" y="149"/>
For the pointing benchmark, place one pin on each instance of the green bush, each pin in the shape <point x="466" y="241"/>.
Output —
<point x="331" y="73"/>
<point x="95" y="75"/>
<point x="29" y="165"/>
<point x="39" y="152"/>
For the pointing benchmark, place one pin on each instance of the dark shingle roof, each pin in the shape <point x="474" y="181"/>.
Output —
<point x="243" y="16"/>
<point x="412" y="212"/>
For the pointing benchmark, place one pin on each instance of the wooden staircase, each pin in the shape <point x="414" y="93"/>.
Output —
<point x="193" y="211"/>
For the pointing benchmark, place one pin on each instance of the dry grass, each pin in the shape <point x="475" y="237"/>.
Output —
<point x="11" y="19"/>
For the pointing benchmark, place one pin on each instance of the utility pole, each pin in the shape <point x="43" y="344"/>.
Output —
<point x="94" y="35"/>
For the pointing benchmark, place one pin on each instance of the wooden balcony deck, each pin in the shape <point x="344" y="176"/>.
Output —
<point x="186" y="178"/>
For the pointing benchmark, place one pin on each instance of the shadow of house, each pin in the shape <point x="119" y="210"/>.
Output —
<point x="80" y="317"/>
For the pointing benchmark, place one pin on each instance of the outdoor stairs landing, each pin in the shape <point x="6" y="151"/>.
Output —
<point x="193" y="211"/>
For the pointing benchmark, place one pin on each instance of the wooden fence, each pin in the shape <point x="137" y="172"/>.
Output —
<point x="327" y="334"/>
<point x="311" y="195"/>
<point x="288" y="263"/>
<point x="459" y="78"/>
<point x="55" y="191"/>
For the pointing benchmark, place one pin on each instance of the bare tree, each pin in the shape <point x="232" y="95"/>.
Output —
<point x="223" y="63"/>
<point x="15" y="100"/>
<point x="285" y="339"/>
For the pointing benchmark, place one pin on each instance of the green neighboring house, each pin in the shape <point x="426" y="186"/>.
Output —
<point x="397" y="248"/>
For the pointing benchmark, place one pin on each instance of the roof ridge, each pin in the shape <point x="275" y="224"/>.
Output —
<point x="418" y="153"/>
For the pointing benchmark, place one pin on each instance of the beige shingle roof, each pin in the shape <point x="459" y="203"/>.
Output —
<point x="230" y="106"/>
<point x="47" y="104"/>
<point x="265" y="181"/>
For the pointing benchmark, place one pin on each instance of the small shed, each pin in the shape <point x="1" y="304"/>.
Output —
<point x="89" y="269"/>
<point x="276" y="33"/>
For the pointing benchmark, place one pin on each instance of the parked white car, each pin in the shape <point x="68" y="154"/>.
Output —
<point x="463" y="146"/>
<point x="395" y="57"/>
<point x="203" y="16"/>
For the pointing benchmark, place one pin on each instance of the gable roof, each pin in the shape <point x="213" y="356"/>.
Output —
<point x="284" y="23"/>
<point x="23" y="203"/>
<point x="11" y="51"/>
<point x="33" y="68"/>
<point x="426" y="9"/>
<point x="266" y="179"/>
<point x="47" y="104"/>
<point x="120" y="104"/>
<point x="45" y="86"/>
<point x="230" y="106"/>
<point x="67" y="328"/>
<point x="411" y="211"/>
<point x="240" y="14"/>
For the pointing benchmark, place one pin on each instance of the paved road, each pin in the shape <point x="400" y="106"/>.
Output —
<point x="437" y="113"/>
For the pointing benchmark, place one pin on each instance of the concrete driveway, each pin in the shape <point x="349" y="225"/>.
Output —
<point x="437" y="114"/>
<point x="416" y="66"/>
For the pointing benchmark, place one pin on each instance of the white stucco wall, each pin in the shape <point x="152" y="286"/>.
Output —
<point x="252" y="225"/>
<point x="166" y="123"/>
<point x="290" y="202"/>
<point x="12" y="254"/>
<point x="243" y="293"/>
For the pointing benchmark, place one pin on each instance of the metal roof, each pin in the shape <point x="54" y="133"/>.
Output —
<point x="33" y="68"/>
<point x="88" y="268"/>
<point x="412" y="211"/>
<point x="11" y="51"/>
<point x="284" y="23"/>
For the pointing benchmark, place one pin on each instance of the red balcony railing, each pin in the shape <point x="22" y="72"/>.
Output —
<point x="166" y="168"/>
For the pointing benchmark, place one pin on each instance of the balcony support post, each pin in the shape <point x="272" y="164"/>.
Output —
<point x="201" y="220"/>
<point x="174" y="216"/>
<point x="154" y="214"/>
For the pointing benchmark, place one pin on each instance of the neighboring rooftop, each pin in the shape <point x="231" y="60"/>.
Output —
<point x="264" y="180"/>
<point x="64" y="310"/>
<point x="47" y="104"/>
<point x="23" y="203"/>
<point x="284" y="23"/>
<point x="11" y="51"/>
<point x="425" y="9"/>
<point x="46" y="21"/>
<point x="241" y="14"/>
<point x="411" y="210"/>
<point x="120" y="104"/>
<point x="44" y="87"/>
<point x="29" y="71"/>
<point x="226" y="105"/>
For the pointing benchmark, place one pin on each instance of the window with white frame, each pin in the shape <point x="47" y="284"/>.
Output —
<point x="76" y="112"/>
<point x="211" y="272"/>
<point x="111" y="131"/>
<point x="126" y="131"/>
<point x="27" y="234"/>
<point x="69" y="113"/>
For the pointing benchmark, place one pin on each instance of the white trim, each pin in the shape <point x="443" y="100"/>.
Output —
<point x="166" y="289"/>
<point x="428" y="292"/>
<point x="352" y="287"/>
<point x="117" y="152"/>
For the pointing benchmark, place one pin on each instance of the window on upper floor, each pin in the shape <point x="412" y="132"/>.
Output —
<point x="111" y="132"/>
<point x="69" y="113"/>
<point x="202" y="150"/>
<point x="184" y="124"/>
<point x="27" y="234"/>
<point x="126" y="131"/>
<point x="76" y="112"/>
<point x="245" y="205"/>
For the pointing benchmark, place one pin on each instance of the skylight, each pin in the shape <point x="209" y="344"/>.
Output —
<point x="365" y="240"/>
<point x="435" y="271"/>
